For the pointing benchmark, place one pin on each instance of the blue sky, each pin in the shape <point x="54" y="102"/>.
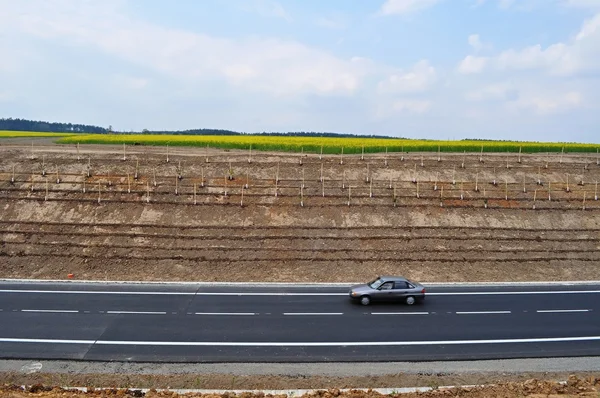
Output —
<point x="447" y="69"/>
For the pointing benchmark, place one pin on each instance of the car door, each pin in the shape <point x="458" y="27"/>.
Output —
<point x="400" y="291"/>
<point x="385" y="292"/>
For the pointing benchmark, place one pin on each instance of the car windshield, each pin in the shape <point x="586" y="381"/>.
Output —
<point x="375" y="284"/>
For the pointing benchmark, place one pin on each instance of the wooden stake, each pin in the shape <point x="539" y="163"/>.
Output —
<point x="323" y="186"/>
<point x="202" y="177"/>
<point x="417" y="188"/>
<point x="12" y="179"/>
<point x="43" y="165"/>
<point x="454" y="175"/>
<point x="77" y="150"/>
<point x="524" y="186"/>
<point x="321" y="154"/>
<point x="154" y="174"/>
<point x="137" y="165"/>
<point x="507" y="165"/>
<point x="368" y="172"/>
<point x="176" y="185"/>
<point x="506" y="189"/>
<point x="519" y="160"/>
<point x="414" y="180"/>
<point x="422" y="164"/>
<point x="195" y="202"/>
<point x="547" y="159"/>
<point x="33" y="157"/>
<point x="147" y="192"/>
<point x="344" y="179"/>
<point x="485" y="201"/>
<point x="89" y="168"/>
<point x="371" y="189"/>
<point x="534" y="197"/>
<point x="128" y="183"/>
<point x="302" y="196"/>
<point x="562" y="152"/>
<point x="250" y="154"/>
<point x="46" y="197"/>
<point x="549" y="192"/>
<point x="277" y="172"/>
<point x="402" y="152"/>
<point x="481" y="155"/>
<point x="539" y="181"/>
<point x="436" y="180"/>
<point x="595" y="190"/>
<point x="98" y="192"/>
<point x="242" y="200"/>
<point x="568" y="189"/>
<point x="439" y="154"/>
<point x="206" y="153"/>
<point x="442" y="196"/>
<point x="362" y="155"/>
<point x="348" y="195"/>
<point x="83" y="190"/>
<point x="57" y="177"/>
<point x="477" y="182"/>
<point x="462" y="165"/>
<point x="462" y="191"/>
<point x="321" y="178"/>
<point x="301" y="155"/>
<point x="385" y="160"/>
<point x="167" y="153"/>
<point x="124" y="156"/>
<point x="276" y="187"/>
<point x="32" y="181"/>
<point x="248" y="178"/>
<point x="583" y="207"/>
<point x="342" y="156"/>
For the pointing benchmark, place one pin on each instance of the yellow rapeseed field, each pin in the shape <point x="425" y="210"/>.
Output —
<point x="327" y="144"/>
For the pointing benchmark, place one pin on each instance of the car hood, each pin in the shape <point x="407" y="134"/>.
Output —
<point x="364" y="288"/>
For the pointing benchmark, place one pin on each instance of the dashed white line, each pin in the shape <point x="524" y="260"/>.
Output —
<point x="312" y="313"/>
<point x="399" y="313"/>
<point x="137" y="312"/>
<point x="226" y="313"/>
<point x="481" y="312"/>
<point x="552" y="311"/>
<point x="53" y="311"/>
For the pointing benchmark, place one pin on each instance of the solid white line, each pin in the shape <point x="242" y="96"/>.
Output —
<point x="511" y="293"/>
<point x="225" y="313"/>
<point x="481" y="312"/>
<point x="53" y="311"/>
<point x="312" y="313"/>
<point x="304" y="344"/>
<point x="148" y="293"/>
<point x="137" y="312"/>
<point x="399" y="313"/>
<point x="548" y="311"/>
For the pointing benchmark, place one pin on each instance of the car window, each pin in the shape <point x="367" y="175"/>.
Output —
<point x="387" y="286"/>
<point x="375" y="284"/>
<point x="400" y="285"/>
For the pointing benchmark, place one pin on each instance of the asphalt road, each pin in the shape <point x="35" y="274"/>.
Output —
<point x="200" y="323"/>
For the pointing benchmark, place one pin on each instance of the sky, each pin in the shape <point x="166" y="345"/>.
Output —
<point x="440" y="69"/>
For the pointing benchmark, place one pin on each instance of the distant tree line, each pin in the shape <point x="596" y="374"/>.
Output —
<point x="34" y="125"/>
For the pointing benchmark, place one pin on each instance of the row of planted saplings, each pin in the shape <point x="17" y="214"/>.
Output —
<point x="345" y="184"/>
<point x="386" y="156"/>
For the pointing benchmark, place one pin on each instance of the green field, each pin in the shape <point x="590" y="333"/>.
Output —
<point x="328" y="145"/>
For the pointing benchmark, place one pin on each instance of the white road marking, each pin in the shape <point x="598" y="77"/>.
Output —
<point x="226" y="313"/>
<point x="53" y="311"/>
<point x="548" y="311"/>
<point x="513" y="293"/>
<point x="399" y="313"/>
<point x="481" y="312"/>
<point x="150" y="293"/>
<point x="137" y="312"/>
<point x="312" y="313"/>
<point x="303" y="344"/>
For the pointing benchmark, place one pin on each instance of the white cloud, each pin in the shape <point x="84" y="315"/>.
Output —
<point x="580" y="54"/>
<point x="591" y="4"/>
<point x="334" y="22"/>
<point x="549" y="103"/>
<point x="419" y="78"/>
<point x="411" y="106"/>
<point x="493" y="92"/>
<point x="267" y="8"/>
<point x="392" y="7"/>
<point x="472" y="64"/>
<point x="475" y="42"/>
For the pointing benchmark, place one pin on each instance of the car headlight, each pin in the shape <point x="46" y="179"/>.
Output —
<point x="354" y="294"/>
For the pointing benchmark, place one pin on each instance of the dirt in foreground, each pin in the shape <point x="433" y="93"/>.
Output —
<point x="281" y="382"/>
<point x="574" y="387"/>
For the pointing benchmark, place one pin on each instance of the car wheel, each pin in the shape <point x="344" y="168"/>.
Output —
<point x="410" y="300"/>
<point x="365" y="300"/>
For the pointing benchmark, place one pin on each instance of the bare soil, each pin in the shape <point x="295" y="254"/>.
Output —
<point x="574" y="387"/>
<point x="213" y="215"/>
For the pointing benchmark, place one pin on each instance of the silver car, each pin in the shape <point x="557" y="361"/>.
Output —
<point x="388" y="288"/>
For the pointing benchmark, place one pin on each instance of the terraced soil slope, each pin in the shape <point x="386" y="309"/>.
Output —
<point x="102" y="212"/>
